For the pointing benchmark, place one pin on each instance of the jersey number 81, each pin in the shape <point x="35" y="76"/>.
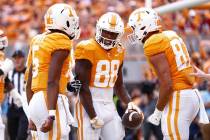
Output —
<point x="181" y="54"/>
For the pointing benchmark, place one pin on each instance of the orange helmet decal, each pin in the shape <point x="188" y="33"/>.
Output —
<point x="140" y="15"/>
<point x="49" y="19"/>
<point x="113" y="21"/>
<point x="70" y="11"/>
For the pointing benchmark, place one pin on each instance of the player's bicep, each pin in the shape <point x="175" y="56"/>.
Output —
<point x="29" y="58"/>
<point x="83" y="71"/>
<point x="28" y="74"/>
<point x="57" y="60"/>
<point x="162" y="68"/>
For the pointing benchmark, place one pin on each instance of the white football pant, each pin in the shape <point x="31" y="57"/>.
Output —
<point x="106" y="110"/>
<point x="38" y="113"/>
<point x="179" y="113"/>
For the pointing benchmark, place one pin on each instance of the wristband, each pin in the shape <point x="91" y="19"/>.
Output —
<point x="52" y="112"/>
<point x="93" y="120"/>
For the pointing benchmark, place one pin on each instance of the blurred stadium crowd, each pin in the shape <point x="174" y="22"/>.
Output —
<point x="23" y="19"/>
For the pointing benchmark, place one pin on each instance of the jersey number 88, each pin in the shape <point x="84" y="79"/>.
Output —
<point x="106" y="73"/>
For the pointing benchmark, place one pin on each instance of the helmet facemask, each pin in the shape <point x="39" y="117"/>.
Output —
<point x="72" y="28"/>
<point x="107" y="39"/>
<point x="137" y="35"/>
<point x="109" y="30"/>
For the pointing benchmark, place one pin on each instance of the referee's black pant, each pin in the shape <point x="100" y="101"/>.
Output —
<point x="17" y="123"/>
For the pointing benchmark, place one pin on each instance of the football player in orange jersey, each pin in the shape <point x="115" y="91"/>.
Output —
<point x="47" y="76"/>
<point x="178" y="102"/>
<point x="99" y="68"/>
<point x="5" y="84"/>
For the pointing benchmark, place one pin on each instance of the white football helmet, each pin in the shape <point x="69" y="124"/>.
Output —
<point x="64" y="18"/>
<point x="3" y="40"/>
<point x="109" y="30"/>
<point x="143" y="21"/>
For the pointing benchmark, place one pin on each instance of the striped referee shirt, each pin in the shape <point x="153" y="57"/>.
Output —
<point x="17" y="78"/>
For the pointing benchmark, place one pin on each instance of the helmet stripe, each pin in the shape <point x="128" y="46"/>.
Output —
<point x="113" y="21"/>
<point x="70" y="13"/>
<point x="139" y="17"/>
<point x="49" y="19"/>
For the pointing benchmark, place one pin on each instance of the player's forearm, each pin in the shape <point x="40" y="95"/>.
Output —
<point x="52" y="94"/>
<point x="29" y="92"/>
<point x="207" y="105"/>
<point x="164" y="96"/>
<point x="87" y="102"/>
<point x="122" y="93"/>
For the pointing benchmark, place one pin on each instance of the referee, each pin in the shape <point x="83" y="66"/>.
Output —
<point x="17" y="120"/>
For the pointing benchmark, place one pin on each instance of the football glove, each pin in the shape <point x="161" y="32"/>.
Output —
<point x="132" y="106"/>
<point x="74" y="86"/>
<point x="17" y="99"/>
<point x="96" y="123"/>
<point x="6" y="66"/>
<point x="155" y="117"/>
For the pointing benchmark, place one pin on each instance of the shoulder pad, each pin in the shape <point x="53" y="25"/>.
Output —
<point x="57" y="36"/>
<point x="87" y="44"/>
<point x="154" y="39"/>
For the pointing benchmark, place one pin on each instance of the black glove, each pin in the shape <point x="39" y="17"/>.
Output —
<point x="1" y="72"/>
<point x="74" y="86"/>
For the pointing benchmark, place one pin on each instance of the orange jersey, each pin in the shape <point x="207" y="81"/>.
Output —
<point x="105" y="64"/>
<point x="2" y="58"/>
<point x="172" y="45"/>
<point x="42" y="47"/>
